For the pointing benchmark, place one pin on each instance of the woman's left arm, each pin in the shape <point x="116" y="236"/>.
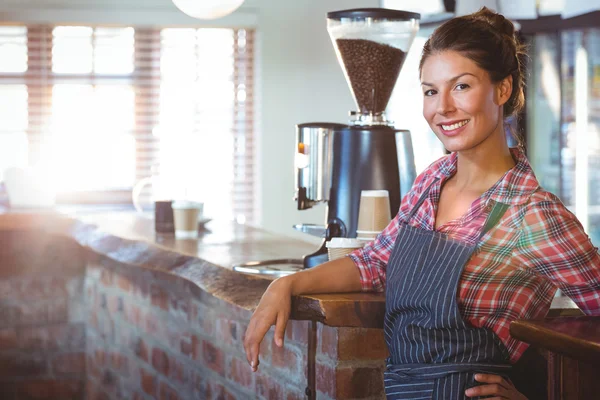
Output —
<point x="554" y="243"/>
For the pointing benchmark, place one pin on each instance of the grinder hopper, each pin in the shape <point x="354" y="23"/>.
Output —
<point x="371" y="45"/>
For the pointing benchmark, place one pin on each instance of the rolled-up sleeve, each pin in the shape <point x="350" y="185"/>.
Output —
<point x="372" y="259"/>
<point x="554" y="244"/>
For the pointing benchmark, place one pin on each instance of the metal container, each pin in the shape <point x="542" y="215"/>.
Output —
<point x="314" y="155"/>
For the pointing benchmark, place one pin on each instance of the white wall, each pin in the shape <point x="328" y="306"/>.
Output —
<point x="299" y="77"/>
<point x="301" y="81"/>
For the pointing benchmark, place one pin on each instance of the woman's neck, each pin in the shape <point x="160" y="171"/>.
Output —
<point x="478" y="169"/>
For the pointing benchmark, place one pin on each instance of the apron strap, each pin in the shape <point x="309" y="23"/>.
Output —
<point x="421" y="200"/>
<point x="492" y="220"/>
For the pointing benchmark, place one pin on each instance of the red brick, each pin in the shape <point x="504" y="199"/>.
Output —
<point x="213" y="357"/>
<point x="69" y="363"/>
<point x="92" y="369"/>
<point x="361" y="344"/>
<point x="180" y="306"/>
<point x="350" y="382"/>
<point x="297" y="331"/>
<point x="56" y="286"/>
<point x="138" y="396"/>
<point x="201" y="316"/>
<point x="154" y="325"/>
<point x="100" y="358"/>
<point x="26" y="313"/>
<point x="167" y="393"/>
<point x="328" y="340"/>
<point x="240" y="373"/>
<point x="57" y="310"/>
<point x="268" y="387"/>
<point x="93" y="319"/>
<point x="123" y="283"/>
<point x="93" y="391"/>
<point x="219" y="392"/>
<point x="11" y="339"/>
<point x="178" y="372"/>
<point x="141" y="349"/>
<point x="120" y="363"/>
<point x="286" y="358"/>
<point x="115" y="304"/>
<point x="32" y="364"/>
<point x="110" y="382"/>
<point x="50" y="389"/>
<point x="295" y="395"/>
<point x="66" y="336"/>
<point x="159" y="297"/>
<point x="325" y="375"/>
<point x="133" y="314"/>
<point x="106" y="277"/>
<point x="228" y="331"/>
<point x="359" y="382"/>
<point x="196" y="348"/>
<point x="160" y="361"/>
<point x="186" y="345"/>
<point x="148" y="382"/>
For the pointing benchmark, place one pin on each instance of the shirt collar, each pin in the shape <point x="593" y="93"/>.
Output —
<point x="515" y="187"/>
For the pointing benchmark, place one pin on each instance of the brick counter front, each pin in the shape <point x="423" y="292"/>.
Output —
<point x="90" y="313"/>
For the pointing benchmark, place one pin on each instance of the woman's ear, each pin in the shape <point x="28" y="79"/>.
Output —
<point x="504" y="90"/>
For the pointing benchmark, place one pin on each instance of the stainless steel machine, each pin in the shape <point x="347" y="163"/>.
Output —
<point x="335" y="162"/>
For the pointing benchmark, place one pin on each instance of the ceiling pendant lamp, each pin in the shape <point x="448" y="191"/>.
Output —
<point x="207" y="9"/>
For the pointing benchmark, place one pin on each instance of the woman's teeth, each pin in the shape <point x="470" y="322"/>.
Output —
<point x="455" y="126"/>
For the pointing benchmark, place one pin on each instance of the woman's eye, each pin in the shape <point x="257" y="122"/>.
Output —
<point x="462" y="86"/>
<point x="429" y="92"/>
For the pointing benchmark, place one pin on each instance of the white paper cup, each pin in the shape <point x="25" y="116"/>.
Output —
<point x="374" y="210"/>
<point x="185" y="218"/>
<point x="340" y="247"/>
<point x="367" y="234"/>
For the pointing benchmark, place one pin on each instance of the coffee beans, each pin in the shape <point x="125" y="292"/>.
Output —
<point x="372" y="69"/>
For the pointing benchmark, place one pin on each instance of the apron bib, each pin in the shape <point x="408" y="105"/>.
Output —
<point x="434" y="354"/>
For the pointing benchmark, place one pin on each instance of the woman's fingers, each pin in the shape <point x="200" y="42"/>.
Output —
<point x="255" y="333"/>
<point x="491" y="378"/>
<point x="495" y="386"/>
<point x="280" y="328"/>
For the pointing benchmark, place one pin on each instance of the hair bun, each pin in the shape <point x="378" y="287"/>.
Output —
<point x="498" y="21"/>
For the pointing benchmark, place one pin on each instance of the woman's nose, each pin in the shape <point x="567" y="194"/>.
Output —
<point x="445" y="104"/>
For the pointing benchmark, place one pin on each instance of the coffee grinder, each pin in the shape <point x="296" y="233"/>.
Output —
<point x="335" y="162"/>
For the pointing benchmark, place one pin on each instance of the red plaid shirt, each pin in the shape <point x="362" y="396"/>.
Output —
<point x="537" y="246"/>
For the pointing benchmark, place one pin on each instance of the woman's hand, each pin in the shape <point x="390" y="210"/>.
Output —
<point x="495" y="386"/>
<point x="273" y="309"/>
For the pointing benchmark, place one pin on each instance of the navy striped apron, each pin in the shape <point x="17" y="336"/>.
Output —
<point x="434" y="354"/>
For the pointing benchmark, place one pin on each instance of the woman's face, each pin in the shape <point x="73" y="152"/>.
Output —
<point x="461" y="104"/>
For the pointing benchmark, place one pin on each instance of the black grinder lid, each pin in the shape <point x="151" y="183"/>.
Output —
<point x="383" y="13"/>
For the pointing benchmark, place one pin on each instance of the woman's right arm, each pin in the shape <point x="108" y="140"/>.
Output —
<point x="337" y="276"/>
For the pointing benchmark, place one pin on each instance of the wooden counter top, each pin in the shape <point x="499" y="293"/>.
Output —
<point x="130" y="239"/>
<point x="576" y="337"/>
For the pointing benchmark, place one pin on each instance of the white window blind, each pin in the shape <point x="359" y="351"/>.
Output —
<point x="103" y="107"/>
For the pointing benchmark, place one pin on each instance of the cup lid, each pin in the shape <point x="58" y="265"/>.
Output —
<point x="186" y="204"/>
<point x="344" y="243"/>
<point x="374" y="193"/>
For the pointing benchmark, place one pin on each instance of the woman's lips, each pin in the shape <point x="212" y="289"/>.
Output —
<point x="453" y="132"/>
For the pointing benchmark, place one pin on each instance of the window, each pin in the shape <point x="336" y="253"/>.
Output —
<point x="103" y="107"/>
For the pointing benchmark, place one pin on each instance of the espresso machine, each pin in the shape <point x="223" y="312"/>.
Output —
<point x="335" y="162"/>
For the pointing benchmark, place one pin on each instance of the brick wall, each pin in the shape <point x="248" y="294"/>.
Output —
<point x="42" y="329"/>
<point x="113" y="331"/>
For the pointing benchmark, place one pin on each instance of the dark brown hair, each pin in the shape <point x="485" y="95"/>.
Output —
<point x="488" y="39"/>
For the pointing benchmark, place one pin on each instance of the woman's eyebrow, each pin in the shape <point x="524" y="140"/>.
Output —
<point x="450" y="80"/>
